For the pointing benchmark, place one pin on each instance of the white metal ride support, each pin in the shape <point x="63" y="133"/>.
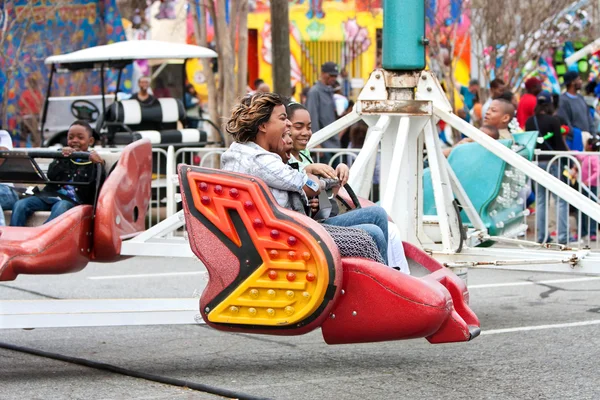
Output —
<point x="446" y="212"/>
<point x="397" y="114"/>
<point x="27" y="314"/>
<point x="159" y="240"/>
<point x="562" y="190"/>
<point x="361" y="173"/>
<point x="464" y="199"/>
<point x="171" y="176"/>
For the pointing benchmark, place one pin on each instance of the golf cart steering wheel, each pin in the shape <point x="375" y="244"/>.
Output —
<point x="85" y="110"/>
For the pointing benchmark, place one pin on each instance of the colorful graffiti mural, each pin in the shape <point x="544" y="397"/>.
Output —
<point x="448" y="24"/>
<point x="34" y="30"/>
<point x="343" y="31"/>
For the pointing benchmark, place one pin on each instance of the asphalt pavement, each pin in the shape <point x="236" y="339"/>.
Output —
<point x="540" y="340"/>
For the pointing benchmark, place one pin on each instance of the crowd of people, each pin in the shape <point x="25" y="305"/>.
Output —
<point x="564" y="123"/>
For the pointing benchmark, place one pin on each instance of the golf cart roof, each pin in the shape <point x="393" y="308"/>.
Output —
<point x="125" y="52"/>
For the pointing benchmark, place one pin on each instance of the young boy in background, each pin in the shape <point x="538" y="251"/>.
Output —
<point x="60" y="198"/>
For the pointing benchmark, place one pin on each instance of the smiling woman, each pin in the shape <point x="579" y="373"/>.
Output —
<point x="260" y="127"/>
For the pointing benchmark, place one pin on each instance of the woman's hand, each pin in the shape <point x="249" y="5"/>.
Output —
<point x="322" y="170"/>
<point x="314" y="205"/>
<point x="343" y="173"/>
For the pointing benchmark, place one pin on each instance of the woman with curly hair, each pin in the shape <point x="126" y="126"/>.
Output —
<point x="259" y="125"/>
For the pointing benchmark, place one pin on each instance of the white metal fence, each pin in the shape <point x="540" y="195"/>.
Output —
<point x="556" y="221"/>
<point x="575" y="229"/>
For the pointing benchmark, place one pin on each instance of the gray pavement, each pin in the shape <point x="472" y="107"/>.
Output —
<point x="559" y="361"/>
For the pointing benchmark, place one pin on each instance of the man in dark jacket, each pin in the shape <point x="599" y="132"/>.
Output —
<point x="321" y="105"/>
<point x="573" y="109"/>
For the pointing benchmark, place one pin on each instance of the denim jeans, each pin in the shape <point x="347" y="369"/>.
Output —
<point x="585" y="219"/>
<point x="8" y="197"/>
<point x="540" y="209"/>
<point x="24" y="208"/>
<point x="373" y="220"/>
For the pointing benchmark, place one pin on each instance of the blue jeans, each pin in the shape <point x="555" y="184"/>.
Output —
<point x="24" y="208"/>
<point x="8" y="197"/>
<point x="585" y="219"/>
<point x="373" y="220"/>
<point x="540" y="209"/>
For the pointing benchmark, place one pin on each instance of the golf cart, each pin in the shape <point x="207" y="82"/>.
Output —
<point x="120" y="122"/>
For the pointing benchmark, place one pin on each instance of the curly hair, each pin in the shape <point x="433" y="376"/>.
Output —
<point x="250" y="113"/>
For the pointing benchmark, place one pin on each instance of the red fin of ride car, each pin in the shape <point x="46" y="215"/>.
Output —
<point x="270" y="270"/>
<point x="60" y="246"/>
<point x="123" y="200"/>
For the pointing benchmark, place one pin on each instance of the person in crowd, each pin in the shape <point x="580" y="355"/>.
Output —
<point x="469" y="93"/>
<point x="341" y="101"/>
<point x="263" y="88"/>
<point x="299" y="157"/>
<point x="143" y="95"/>
<point x="475" y="113"/>
<point x="259" y="125"/>
<point x="550" y="138"/>
<point x="499" y="115"/>
<point x="497" y="87"/>
<point x="30" y="105"/>
<point x="574" y="110"/>
<point x="257" y="83"/>
<point x="193" y="109"/>
<point x="526" y="108"/>
<point x="321" y="104"/>
<point x="8" y="196"/>
<point x="346" y="85"/>
<point x="304" y="95"/>
<point x="513" y="125"/>
<point x="489" y="130"/>
<point x="590" y="172"/>
<point x="59" y="198"/>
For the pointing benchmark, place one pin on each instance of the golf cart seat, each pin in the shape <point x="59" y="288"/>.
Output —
<point x="276" y="271"/>
<point x="157" y="122"/>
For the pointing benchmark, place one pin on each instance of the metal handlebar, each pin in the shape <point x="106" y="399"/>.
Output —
<point x="82" y="155"/>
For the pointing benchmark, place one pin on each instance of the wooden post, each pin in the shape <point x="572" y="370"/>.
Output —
<point x="280" y="39"/>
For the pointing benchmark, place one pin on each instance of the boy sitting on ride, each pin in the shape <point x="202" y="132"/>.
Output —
<point x="60" y="198"/>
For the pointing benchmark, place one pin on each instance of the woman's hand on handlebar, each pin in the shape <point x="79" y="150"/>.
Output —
<point x="342" y="173"/>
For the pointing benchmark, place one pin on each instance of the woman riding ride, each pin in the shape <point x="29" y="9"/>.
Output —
<point x="259" y="125"/>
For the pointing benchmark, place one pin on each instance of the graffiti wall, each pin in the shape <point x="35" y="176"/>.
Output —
<point x="448" y="25"/>
<point x="343" y="31"/>
<point x="32" y="30"/>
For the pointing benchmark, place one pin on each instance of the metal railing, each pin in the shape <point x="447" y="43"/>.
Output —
<point x="165" y="186"/>
<point x="557" y="221"/>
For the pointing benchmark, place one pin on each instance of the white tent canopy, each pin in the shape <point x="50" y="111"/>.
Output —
<point x="133" y="50"/>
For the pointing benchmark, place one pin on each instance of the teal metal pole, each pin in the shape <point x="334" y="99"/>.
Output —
<point x="404" y="35"/>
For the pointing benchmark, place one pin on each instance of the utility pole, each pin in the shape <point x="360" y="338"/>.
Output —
<point x="280" y="39"/>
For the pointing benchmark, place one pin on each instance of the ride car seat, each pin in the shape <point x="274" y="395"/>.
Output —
<point x="276" y="271"/>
